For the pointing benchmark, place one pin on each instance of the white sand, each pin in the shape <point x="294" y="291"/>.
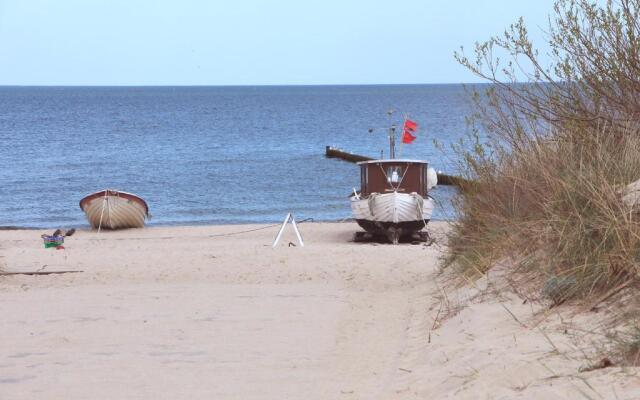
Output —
<point x="169" y="313"/>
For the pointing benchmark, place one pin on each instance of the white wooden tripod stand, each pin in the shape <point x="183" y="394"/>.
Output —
<point x="288" y="218"/>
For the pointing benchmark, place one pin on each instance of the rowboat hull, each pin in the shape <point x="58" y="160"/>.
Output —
<point x="393" y="214"/>
<point x="112" y="209"/>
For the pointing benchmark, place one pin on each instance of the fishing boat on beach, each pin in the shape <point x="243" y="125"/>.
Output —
<point x="394" y="195"/>
<point x="113" y="209"/>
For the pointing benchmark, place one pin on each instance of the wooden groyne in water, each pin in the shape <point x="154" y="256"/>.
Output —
<point x="443" y="179"/>
<point x="333" y="152"/>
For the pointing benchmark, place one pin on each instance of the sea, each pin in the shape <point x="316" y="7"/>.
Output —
<point x="212" y="155"/>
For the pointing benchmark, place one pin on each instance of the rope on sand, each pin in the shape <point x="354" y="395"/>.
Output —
<point x="173" y="237"/>
<point x="208" y="236"/>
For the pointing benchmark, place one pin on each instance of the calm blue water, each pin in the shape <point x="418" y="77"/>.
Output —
<point x="207" y="155"/>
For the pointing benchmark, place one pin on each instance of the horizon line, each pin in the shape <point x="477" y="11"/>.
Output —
<point x="246" y="85"/>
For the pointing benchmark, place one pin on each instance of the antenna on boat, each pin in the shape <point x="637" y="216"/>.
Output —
<point x="391" y="134"/>
<point x="406" y="117"/>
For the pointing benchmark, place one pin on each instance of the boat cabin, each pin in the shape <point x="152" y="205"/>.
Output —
<point x="385" y="176"/>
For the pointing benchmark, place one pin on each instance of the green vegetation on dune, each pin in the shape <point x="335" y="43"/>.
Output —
<point x="556" y="154"/>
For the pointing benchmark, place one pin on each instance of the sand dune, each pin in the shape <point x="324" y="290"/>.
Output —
<point x="185" y="312"/>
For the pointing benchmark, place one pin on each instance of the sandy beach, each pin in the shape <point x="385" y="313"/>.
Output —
<point x="193" y="312"/>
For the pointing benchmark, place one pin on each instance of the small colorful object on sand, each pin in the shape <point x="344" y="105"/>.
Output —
<point x="52" y="241"/>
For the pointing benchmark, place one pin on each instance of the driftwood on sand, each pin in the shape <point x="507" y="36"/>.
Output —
<point x="39" y="272"/>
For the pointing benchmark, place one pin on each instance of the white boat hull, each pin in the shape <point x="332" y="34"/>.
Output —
<point x="381" y="213"/>
<point x="392" y="207"/>
<point x="114" y="210"/>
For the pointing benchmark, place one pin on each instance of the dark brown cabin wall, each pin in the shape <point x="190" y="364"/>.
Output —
<point x="412" y="181"/>
<point x="374" y="179"/>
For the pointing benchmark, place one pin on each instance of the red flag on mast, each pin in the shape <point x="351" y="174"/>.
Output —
<point x="409" y="128"/>
<point x="407" y="137"/>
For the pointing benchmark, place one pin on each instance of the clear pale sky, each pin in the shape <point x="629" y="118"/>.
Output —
<point x="247" y="42"/>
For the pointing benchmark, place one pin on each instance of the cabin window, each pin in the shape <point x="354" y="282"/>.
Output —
<point x="394" y="174"/>
<point x="364" y="179"/>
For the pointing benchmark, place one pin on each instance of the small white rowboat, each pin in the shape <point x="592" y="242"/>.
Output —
<point x="112" y="209"/>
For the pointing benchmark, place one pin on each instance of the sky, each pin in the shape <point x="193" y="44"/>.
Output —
<point x="249" y="42"/>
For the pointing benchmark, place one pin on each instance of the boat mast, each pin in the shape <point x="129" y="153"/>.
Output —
<point x="392" y="142"/>
<point x="392" y="137"/>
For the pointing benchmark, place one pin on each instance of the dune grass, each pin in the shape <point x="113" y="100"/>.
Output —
<point x="554" y="148"/>
<point x="556" y="209"/>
